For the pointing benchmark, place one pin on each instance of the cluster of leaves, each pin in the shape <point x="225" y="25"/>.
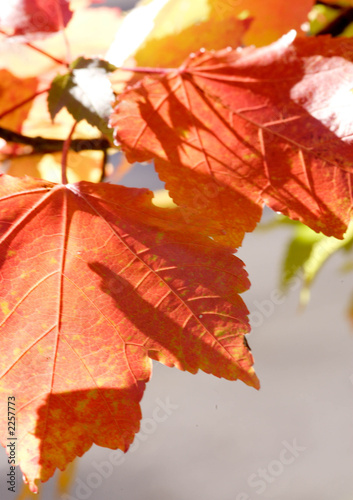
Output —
<point x="96" y="280"/>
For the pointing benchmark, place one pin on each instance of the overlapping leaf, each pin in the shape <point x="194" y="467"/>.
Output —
<point x="95" y="281"/>
<point x="39" y="17"/>
<point x="232" y="130"/>
<point x="163" y="33"/>
<point x="86" y="165"/>
<point x="271" y="18"/>
<point x="24" y="61"/>
<point x="15" y="100"/>
<point x="85" y="91"/>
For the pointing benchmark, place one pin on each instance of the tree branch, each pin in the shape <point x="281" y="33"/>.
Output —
<point x="42" y="145"/>
<point x="338" y="25"/>
<point x="336" y="6"/>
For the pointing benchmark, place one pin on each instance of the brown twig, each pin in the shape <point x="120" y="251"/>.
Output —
<point x="338" y="25"/>
<point x="336" y="6"/>
<point x="104" y="163"/>
<point x="42" y="145"/>
<point x="66" y="148"/>
<point x="22" y="103"/>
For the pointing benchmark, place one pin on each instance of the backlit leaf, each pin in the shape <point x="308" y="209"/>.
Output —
<point x="39" y="17"/>
<point x="95" y="282"/>
<point x="232" y="130"/>
<point x="86" y="165"/>
<point x="13" y="92"/>
<point x="271" y="18"/>
<point x="164" y="32"/>
<point x="25" y="62"/>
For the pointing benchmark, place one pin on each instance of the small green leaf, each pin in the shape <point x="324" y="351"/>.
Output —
<point x="307" y="252"/>
<point x="321" y="251"/>
<point x="298" y="252"/>
<point x="85" y="91"/>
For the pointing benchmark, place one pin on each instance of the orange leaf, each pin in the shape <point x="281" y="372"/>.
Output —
<point x="173" y="49"/>
<point x="232" y="130"/>
<point x="164" y="33"/>
<point x="23" y="61"/>
<point x="95" y="282"/>
<point x="271" y="18"/>
<point x="15" y="100"/>
<point x="86" y="165"/>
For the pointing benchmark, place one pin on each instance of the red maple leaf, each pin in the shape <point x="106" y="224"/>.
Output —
<point x="35" y="17"/>
<point x="95" y="282"/>
<point x="232" y="130"/>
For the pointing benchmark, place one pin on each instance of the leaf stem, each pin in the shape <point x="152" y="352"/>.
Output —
<point x="104" y="163"/>
<point x="159" y="71"/>
<point x="41" y="51"/>
<point x="44" y="53"/>
<point x="22" y="103"/>
<point x="66" y="149"/>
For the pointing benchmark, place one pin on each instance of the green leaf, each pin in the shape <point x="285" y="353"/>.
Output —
<point x="320" y="16"/>
<point x="307" y="252"/>
<point x="298" y="252"/>
<point x="321" y="251"/>
<point x="85" y="91"/>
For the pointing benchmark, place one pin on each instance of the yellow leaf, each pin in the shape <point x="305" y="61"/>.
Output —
<point x="86" y="165"/>
<point x="165" y="32"/>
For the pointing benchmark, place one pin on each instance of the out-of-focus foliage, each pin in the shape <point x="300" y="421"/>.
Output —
<point x="307" y="252"/>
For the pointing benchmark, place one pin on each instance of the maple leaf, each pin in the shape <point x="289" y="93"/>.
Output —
<point x="34" y="17"/>
<point x="232" y="130"/>
<point x="95" y="282"/>
<point x="15" y="91"/>
<point x="24" y="61"/>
